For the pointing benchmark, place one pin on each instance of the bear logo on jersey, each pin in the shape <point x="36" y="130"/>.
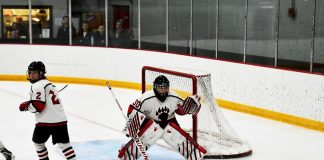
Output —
<point x="163" y="113"/>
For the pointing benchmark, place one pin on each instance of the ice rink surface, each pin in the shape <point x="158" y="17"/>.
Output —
<point x="95" y="125"/>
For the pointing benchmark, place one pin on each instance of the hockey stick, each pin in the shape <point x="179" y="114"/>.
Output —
<point x="63" y="88"/>
<point x="136" y="139"/>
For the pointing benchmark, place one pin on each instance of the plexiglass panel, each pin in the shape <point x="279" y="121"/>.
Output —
<point x="179" y="26"/>
<point x="261" y="32"/>
<point x="231" y="29"/>
<point x="153" y="24"/>
<point x="204" y="28"/>
<point x="295" y="34"/>
<point x="47" y="18"/>
<point x="87" y="17"/>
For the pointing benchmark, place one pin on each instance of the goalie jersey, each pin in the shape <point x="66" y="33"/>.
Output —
<point x="52" y="114"/>
<point x="155" y="109"/>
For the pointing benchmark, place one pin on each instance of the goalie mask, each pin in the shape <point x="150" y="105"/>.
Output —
<point x="36" y="66"/>
<point x="161" y="87"/>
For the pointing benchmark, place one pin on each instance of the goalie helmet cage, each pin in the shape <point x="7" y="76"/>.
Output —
<point x="209" y="128"/>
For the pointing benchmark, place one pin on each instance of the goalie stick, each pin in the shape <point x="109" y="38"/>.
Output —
<point x="136" y="139"/>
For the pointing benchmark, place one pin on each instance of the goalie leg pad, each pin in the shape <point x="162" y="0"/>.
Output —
<point x="148" y="134"/>
<point x="181" y="141"/>
<point x="129" y="151"/>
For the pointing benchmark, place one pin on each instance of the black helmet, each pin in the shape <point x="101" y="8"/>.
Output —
<point x="161" y="81"/>
<point x="37" y="66"/>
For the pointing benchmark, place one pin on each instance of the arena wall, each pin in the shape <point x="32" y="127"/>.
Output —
<point x="293" y="97"/>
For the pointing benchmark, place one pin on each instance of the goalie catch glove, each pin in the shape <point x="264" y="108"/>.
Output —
<point x="191" y="105"/>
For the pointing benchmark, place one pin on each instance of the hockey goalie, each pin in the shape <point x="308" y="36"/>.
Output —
<point x="154" y="113"/>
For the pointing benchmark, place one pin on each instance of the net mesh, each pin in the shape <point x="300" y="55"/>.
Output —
<point x="214" y="132"/>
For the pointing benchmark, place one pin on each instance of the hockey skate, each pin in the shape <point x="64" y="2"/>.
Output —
<point x="7" y="154"/>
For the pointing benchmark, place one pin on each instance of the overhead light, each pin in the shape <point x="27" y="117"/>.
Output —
<point x="267" y="7"/>
<point x="36" y="19"/>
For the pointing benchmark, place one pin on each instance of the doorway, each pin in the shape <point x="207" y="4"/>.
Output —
<point x="121" y="12"/>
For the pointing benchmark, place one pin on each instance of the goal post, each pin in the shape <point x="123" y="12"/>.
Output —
<point x="210" y="127"/>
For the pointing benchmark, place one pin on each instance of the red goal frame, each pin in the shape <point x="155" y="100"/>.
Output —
<point x="194" y="118"/>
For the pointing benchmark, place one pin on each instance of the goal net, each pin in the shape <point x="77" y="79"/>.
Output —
<point x="210" y="128"/>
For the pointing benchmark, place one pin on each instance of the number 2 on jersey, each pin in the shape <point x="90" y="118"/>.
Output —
<point x="54" y="100"/>
<point x="38" y="95"/>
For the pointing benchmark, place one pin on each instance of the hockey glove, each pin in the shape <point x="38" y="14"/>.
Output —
<point x="191" y="105"/>
<point x="24" y="106"/>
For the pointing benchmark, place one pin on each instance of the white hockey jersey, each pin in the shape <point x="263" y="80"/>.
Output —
<point x="53" y="113"/>
<point x="157" y="110"/>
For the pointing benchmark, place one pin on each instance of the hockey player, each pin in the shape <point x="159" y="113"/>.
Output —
<point x="159" y="106"/>
<point x="50" y="117"/>
<point x="6" y="153"/>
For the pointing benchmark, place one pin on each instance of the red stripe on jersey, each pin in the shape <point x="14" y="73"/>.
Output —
<point x="52" y="124"/>
<point x="38" y="105"/>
